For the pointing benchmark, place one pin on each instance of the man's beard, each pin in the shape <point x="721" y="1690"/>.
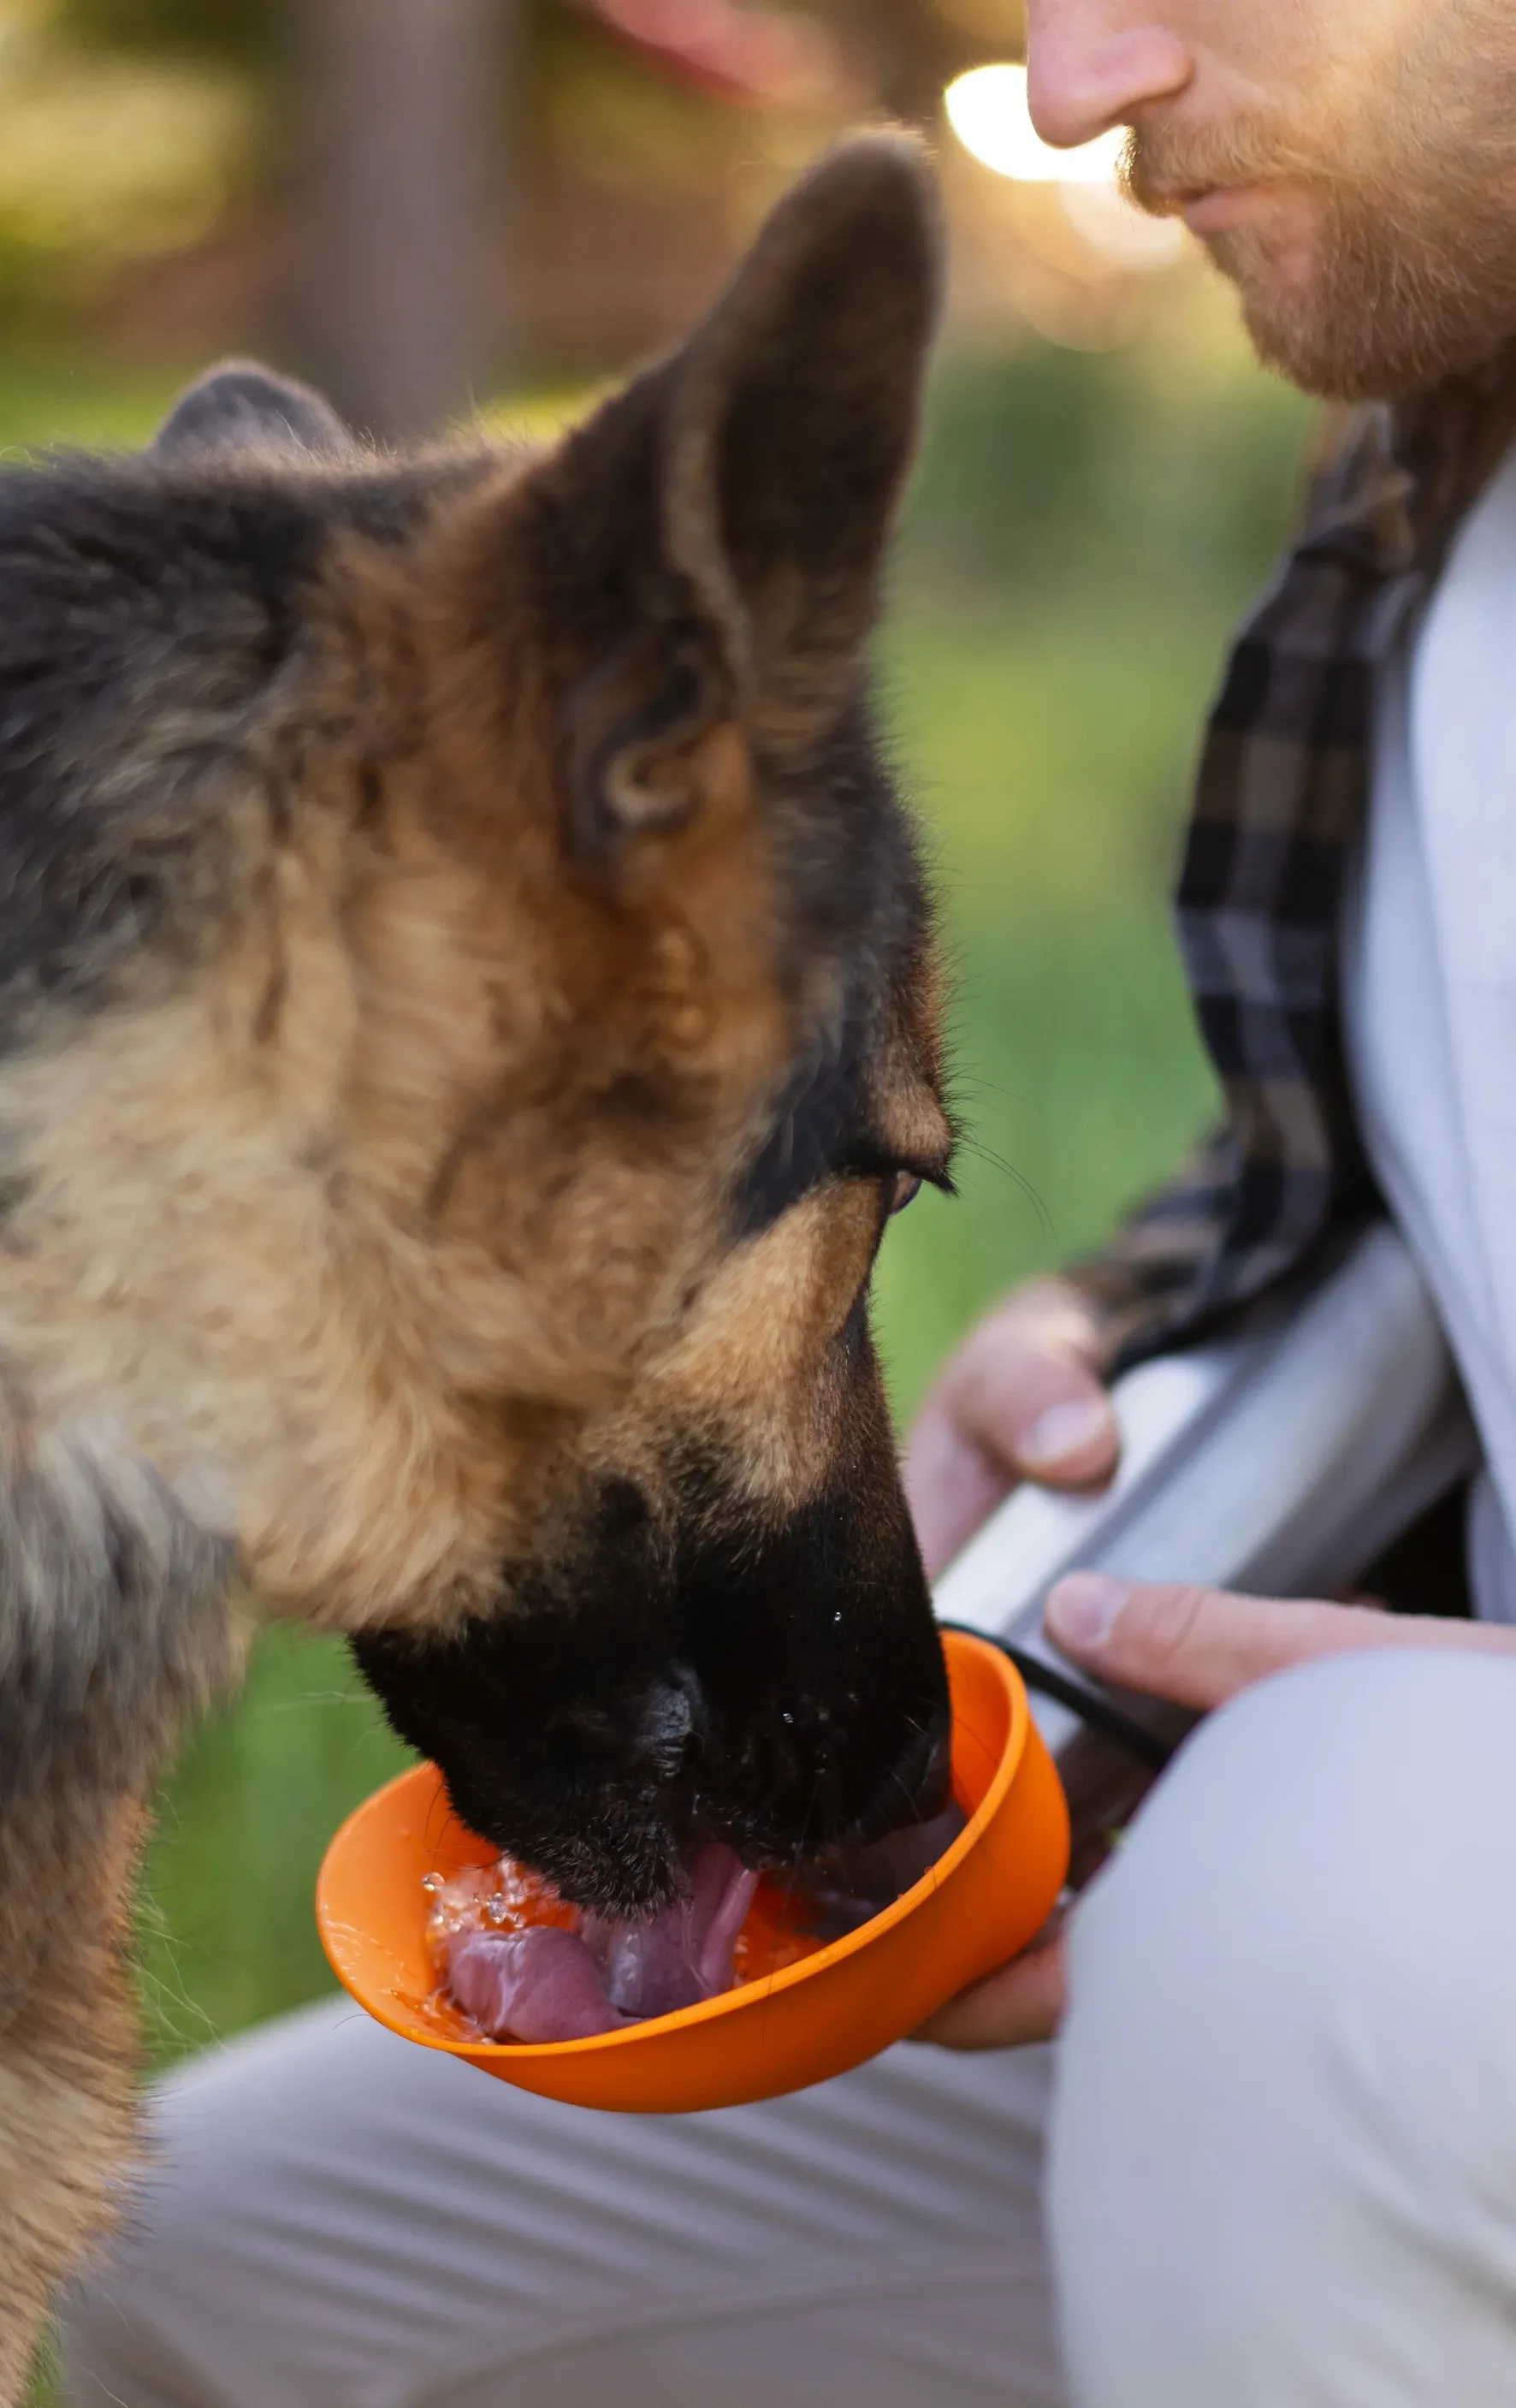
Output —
<point x="1387" y="309"/>
<point x="1411" y="274"/>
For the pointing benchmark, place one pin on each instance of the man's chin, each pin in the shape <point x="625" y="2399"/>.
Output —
<point x="1321" y="357"/>
<point x="1326" y="342"/>
<point x="1351" y="354"/>
<point x="1292" y="326"/>
<point x="1326" y="309"/>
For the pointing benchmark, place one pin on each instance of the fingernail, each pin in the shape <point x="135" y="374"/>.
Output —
<point x="1082" y="1609"/>
<point x="1064" y="1429"/>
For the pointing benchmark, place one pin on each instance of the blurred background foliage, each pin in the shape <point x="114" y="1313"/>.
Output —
<point x="1104" y="480"/>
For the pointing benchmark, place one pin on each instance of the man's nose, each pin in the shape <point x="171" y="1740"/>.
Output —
<point x="1094" y="64"/>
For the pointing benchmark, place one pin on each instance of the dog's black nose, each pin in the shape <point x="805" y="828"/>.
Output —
<point x="672" y="1720"/>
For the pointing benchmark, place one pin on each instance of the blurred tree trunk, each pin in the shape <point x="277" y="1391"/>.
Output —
<point x="402" y="108"/>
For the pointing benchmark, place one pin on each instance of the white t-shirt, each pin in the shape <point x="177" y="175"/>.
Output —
<point x="1430" y="985"/>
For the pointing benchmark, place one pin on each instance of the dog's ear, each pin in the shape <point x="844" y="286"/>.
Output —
<point x="240" y="407"/>
<point x="714" y="535"/>
<point x="793" y="420"/>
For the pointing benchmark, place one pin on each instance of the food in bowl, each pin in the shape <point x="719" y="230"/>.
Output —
<point x="984" y="1897"/>
<point x="519" y="1963"/>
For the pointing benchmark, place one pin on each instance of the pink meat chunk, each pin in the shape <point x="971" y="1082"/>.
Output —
<point x="530" y="1986"/>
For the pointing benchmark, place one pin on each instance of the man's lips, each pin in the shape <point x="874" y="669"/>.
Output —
<point x="1223" y="206"/>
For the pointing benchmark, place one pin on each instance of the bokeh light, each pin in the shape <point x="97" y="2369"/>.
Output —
<point x="988" y="111"/>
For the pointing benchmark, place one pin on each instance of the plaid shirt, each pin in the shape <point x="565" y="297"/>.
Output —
<point x="1282" y="794"/>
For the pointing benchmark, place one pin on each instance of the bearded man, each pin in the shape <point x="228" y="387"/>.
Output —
<point x="1280" y="2118"/>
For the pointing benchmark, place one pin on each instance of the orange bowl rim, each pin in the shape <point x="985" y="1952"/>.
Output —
<point x="728" y="2001"/>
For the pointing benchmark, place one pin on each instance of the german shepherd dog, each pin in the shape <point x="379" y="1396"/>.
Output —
<point x="468" y="1009"/>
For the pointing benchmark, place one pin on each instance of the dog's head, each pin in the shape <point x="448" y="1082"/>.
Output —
<point x="505" y="1025"/>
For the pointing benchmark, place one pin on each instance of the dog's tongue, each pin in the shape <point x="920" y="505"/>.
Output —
<point x="546" y="1984"/>
<point x="682" y="1954"/>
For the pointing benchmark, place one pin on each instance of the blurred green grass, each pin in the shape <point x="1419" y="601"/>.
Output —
<point x="1061" y="611"/>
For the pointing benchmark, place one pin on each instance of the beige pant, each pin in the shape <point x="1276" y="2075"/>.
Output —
<point x="1282" y="2152"/>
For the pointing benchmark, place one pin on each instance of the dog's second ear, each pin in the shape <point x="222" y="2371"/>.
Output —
<point x="711" y="541"/>
<point x="240" y="407"/>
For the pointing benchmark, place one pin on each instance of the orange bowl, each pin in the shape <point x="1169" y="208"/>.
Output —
<point x="991" y="1890"/>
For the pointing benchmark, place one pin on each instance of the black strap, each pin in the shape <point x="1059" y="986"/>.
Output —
<point x="1088" y="1704"/>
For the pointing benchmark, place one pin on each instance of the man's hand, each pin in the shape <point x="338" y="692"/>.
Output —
<point x="1021" y="1399"/>
<point x="1198" y="1646"/>
<point x="1019" y="2003"/>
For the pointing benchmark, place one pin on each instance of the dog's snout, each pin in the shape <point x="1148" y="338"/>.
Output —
<point x="925" y="1771"/>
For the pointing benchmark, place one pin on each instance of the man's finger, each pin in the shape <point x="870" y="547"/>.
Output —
<point x="1022" y="1393"/>
<point x="1200" y="1646"/>
<point x="950" y="1485"/>
<point x="1018" y="1400"/>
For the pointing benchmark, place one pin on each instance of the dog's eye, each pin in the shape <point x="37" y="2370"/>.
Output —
<point x="907" y="1186"/>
